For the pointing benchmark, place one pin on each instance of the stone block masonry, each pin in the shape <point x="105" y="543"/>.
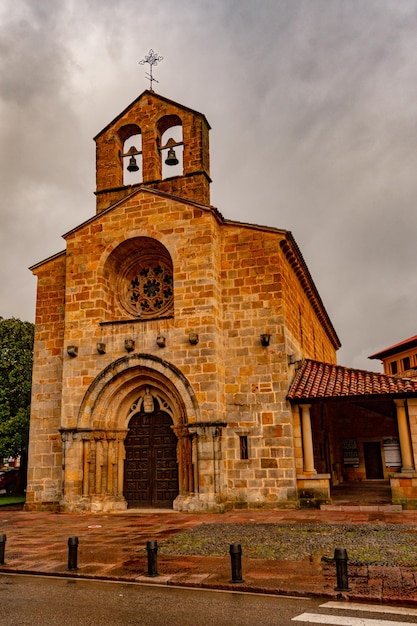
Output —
<point x="155" y="311"/>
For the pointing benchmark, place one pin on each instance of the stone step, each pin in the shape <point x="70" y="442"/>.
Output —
<point x="367" y="508"/>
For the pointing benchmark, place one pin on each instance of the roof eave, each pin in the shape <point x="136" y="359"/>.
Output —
<point x="296" y="260"/>
<point x="398" y="348"/>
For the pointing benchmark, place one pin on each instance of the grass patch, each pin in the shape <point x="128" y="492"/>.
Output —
<point x="367" y="544"/>
<point x="7" y="500"/>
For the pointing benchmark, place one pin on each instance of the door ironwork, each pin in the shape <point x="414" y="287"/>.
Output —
<point x="151" y="469"/>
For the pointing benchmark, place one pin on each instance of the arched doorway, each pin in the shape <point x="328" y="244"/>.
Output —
<point x="133" y="385"/>
<point x="151" y="469"/>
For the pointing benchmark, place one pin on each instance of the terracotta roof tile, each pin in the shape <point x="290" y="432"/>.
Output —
<point x="326" y="380"/>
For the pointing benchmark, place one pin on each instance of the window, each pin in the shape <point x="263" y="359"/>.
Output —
<point x="149" y="289"/>
<point x="394" y="367"/>
<point x="244" y="452"/>
<point x="140" y="279"/>
<point x="406" y="363"/>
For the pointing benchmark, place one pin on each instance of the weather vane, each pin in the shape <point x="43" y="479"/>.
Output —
<point x="152" y="58"/>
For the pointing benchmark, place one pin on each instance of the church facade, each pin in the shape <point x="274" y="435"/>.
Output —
<point x="180" y="356"/>
<point x="185" y="360"/>
<point x="167" y="337"/>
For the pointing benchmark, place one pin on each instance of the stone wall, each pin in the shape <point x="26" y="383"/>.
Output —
<point x="232" y="284"/>
<point x="228" y="290"/>
<point x="45" y="449"/>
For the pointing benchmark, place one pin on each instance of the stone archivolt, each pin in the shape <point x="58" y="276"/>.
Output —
<point x="94" y="452"/>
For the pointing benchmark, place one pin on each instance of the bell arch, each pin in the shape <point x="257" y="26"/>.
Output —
<point x="130" y="139"/>
<point x="171" y="145"/>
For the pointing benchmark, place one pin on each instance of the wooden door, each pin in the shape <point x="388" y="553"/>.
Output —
<point x="373" y="460"/>
<point x="151" y="471"/>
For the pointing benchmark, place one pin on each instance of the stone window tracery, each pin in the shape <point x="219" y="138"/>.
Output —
<point x="150" y="288"/>
<point x="144" y="278"/>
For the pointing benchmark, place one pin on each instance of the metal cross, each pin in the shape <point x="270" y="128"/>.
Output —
<point x="152" y="58"/>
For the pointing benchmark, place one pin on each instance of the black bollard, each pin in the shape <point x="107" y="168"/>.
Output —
<point x="72" y="553"/>
<point x="152" y="549"/>
<point x="236" y="562"/>
<point x="341" y="560"/>
<point x="2" y="548"/>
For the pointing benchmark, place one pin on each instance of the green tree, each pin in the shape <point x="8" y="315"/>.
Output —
<point x="16" y="358"/>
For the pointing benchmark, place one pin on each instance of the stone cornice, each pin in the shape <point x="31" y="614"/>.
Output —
<point x="300" y="269"/>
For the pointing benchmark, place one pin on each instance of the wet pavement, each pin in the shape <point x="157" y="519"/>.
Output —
<point x="112" y="546"/>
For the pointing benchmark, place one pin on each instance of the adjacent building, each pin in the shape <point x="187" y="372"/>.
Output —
<point x="399" y="359"/>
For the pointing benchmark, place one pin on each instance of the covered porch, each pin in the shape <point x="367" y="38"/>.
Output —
<point x="355" y="437"/>
<point x="367" y="496"/>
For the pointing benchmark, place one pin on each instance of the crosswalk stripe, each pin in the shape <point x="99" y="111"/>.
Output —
<point x="373" y="608"/>
<point x="341" y="620"/>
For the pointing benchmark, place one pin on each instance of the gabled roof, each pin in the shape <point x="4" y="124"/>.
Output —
<point x="407" y="344"/>
<point x="34" y="267"/>
<point x="316" y="380"/>
<point x="148" y="92"/>
<point x="136" y="190"/>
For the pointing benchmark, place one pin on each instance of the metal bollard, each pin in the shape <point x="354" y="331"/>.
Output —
<point x="72" y="553"/>
<point x="2" y="548"/>
<point x="341" y="560"/>
<point x="152" y="549"/>
<point x="236" y="562"/>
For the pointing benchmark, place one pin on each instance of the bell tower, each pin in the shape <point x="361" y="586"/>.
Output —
<point x="141" y="145"/>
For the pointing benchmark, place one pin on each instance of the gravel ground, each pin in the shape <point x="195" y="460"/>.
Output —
<point x="379" y="544"/>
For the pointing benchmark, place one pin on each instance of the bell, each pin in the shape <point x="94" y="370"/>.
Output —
<point x="171" y="158"/>
<point x="133" y="166"/>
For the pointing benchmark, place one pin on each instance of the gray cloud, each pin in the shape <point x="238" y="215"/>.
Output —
<point x="312" y="107"/>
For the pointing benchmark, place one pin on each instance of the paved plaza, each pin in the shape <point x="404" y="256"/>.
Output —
<point x="113" y="546"/>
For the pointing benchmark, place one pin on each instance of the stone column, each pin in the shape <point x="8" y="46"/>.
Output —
<point x="308" y="455"/>
<point x="194" y="461"/>
<point x="111" y="462"/>
<point x="184" y="454"/>
<point x="404" y="435"/>
<point x="99" y="467"/>
<point x="120" y="466"/>
<point x="204" y="453"/>
<point x="217" y="455"/>
<point x="86" y="467"/>
<point x="93" y="450"/>
<point x="104" y="476"/>
<point x="73" y="469"/>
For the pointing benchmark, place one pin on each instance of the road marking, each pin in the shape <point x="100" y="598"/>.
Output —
<point x="373" y="608"/>
<point x="339" y="620"/>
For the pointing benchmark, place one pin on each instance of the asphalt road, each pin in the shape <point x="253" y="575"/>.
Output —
<point x="47" y="601"/>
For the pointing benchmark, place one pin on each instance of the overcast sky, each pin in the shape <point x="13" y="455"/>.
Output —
<point x="313" y="109"/>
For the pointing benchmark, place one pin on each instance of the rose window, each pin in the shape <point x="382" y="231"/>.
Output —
<point x="149" y="289"/>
